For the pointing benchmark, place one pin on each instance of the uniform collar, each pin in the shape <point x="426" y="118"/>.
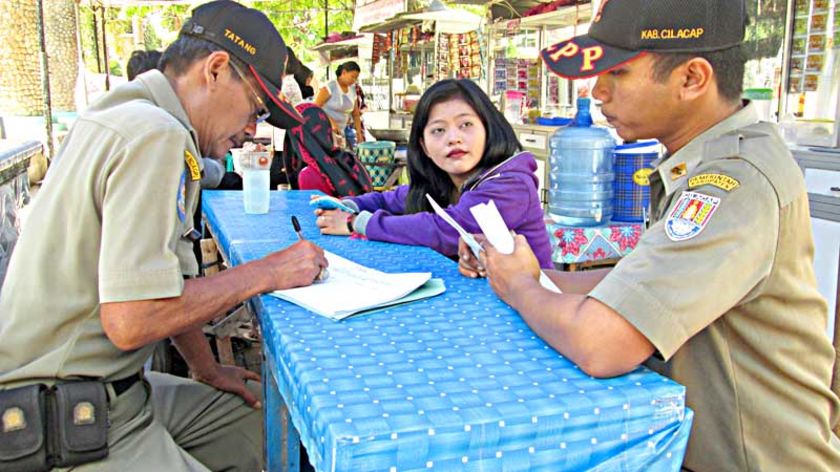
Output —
<point x="674" y="169"/>
<point x="164" y="96"/>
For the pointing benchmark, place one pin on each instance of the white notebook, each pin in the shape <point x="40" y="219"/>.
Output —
<point x="352" y="288"/>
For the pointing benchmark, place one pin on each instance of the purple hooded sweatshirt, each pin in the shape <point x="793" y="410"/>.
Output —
<point x="512" y="185"/>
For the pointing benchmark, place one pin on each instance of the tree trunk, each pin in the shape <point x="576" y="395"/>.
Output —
<point x="60" y="19"/>
<point x="20" y="80"/>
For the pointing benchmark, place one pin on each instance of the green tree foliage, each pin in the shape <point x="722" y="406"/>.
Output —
<point x="766" y="29"/>
<point x="300" y="22"/>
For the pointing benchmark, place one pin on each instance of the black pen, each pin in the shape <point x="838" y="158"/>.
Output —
<point x="296" y="226"/>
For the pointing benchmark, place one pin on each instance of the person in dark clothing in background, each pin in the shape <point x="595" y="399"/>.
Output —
<point x="140" y="61"/>
<point x="304" y="77"/>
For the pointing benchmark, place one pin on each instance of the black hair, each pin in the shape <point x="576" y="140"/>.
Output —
<point x="293" y="64"/>
<point x="349" y="66"/>
<point x="181" y="54"/>
<point x="424" y="175"/>
<point x="728" y="65"/>
<point x="301" y="76"/>
<point x="307" y="92"/>
<point x="141" y="61"/>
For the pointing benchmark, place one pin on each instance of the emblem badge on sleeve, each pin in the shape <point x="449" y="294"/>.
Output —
<point x="181" y="204"/>
<point x="690" y="215"/>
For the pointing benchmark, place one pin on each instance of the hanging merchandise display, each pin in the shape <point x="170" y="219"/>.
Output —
<point x="469" y="56"/>
<point x="381" y="46"/>
<point x="812" y="34"/>
<point x="811" y="108"/>
<point x="516" y="66"/>
<point x="459" y="55"/>
<point x="443" y="67"/>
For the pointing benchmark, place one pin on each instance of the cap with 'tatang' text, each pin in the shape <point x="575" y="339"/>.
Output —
<point x="251" y="37"/>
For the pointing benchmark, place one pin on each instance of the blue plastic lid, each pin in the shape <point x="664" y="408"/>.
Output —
<point x="556" y="121"/>
<point x="640" y="147"/>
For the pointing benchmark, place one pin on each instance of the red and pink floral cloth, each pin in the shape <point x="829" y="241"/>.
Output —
<point x="574" y="245"/>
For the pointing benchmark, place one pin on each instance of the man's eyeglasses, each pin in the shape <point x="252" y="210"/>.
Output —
<point x="262" y="112"/>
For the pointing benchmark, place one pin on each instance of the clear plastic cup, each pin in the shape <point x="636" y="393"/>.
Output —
<point x="256" y="181"/>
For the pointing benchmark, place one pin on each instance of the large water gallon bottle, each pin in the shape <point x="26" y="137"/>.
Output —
<point x="581" y="172"/>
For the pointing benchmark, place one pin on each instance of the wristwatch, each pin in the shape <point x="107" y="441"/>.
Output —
<point x="350" y="219"/>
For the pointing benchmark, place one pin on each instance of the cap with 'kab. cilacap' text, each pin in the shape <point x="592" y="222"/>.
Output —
<point x="622" y="30"/>
<point x="251" y="37"/>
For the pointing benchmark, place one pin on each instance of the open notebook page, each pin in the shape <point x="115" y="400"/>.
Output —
<point x="351" y="288"/>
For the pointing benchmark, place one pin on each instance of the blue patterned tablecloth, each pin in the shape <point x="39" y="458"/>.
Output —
<point x="458" y="381"/>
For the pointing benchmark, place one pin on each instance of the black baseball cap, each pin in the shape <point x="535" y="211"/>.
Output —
<point x="251" y="37"/>
<point x="623" y="30"/>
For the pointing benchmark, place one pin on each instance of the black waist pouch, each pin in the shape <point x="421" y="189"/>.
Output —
<point x="79" y="431"/>
<point x="23" y="419"/>
<point x="62" y="426"/>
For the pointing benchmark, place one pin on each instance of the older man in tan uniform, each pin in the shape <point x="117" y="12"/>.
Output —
<point x="97" y="276"/>
<point x="720" y="293"/>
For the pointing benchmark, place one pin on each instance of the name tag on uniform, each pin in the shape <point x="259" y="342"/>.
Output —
<point x="192" y="165"/>
<point x="720" y="181"/>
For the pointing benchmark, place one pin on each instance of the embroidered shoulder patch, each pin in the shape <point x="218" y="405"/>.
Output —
<point x="192" y="165"/>
<point x="690" y="215"/>
<point x="721" y="181"/>
<point x="181" y="202"/>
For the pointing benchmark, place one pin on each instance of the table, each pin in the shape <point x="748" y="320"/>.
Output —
<point x="453" y="382"/>
<point x="573" y="246"/>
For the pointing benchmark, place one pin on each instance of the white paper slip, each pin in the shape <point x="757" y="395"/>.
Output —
<point x="467" y="237"/>
<point x="493" y="226"/>
<point x="352" y="288"/>
<point x="496" y="231"/>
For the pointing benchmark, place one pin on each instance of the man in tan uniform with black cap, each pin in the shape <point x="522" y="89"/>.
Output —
<point x="97" y="277"/>
<point x="720" y="292"/>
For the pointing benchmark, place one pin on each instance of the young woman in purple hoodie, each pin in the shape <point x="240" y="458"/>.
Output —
<point x="462" y="152"/>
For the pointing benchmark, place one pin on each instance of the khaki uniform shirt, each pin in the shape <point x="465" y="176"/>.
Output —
<point x="723" y="285"/>
<point x="106" y="226"/>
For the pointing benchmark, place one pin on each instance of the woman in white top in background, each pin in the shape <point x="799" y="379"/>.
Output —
<point x="290" y="87"/>
<point x="338" y="99"/>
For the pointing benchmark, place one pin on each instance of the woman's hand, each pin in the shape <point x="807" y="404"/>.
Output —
<point x="332" y="222"/>
<point x="468" y="265"/>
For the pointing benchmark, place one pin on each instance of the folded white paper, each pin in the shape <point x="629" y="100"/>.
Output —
<point x="496" y="231"/>
<point x="467" y="237"/>
<point x="352" y="288"/>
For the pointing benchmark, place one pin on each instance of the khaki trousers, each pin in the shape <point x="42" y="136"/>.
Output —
<point x="173" y="424"/>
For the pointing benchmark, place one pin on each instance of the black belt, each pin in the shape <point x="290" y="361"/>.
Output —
<point x="122" y="385"/>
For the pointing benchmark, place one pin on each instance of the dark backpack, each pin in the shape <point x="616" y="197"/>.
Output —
<point x="311" y="144"/>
